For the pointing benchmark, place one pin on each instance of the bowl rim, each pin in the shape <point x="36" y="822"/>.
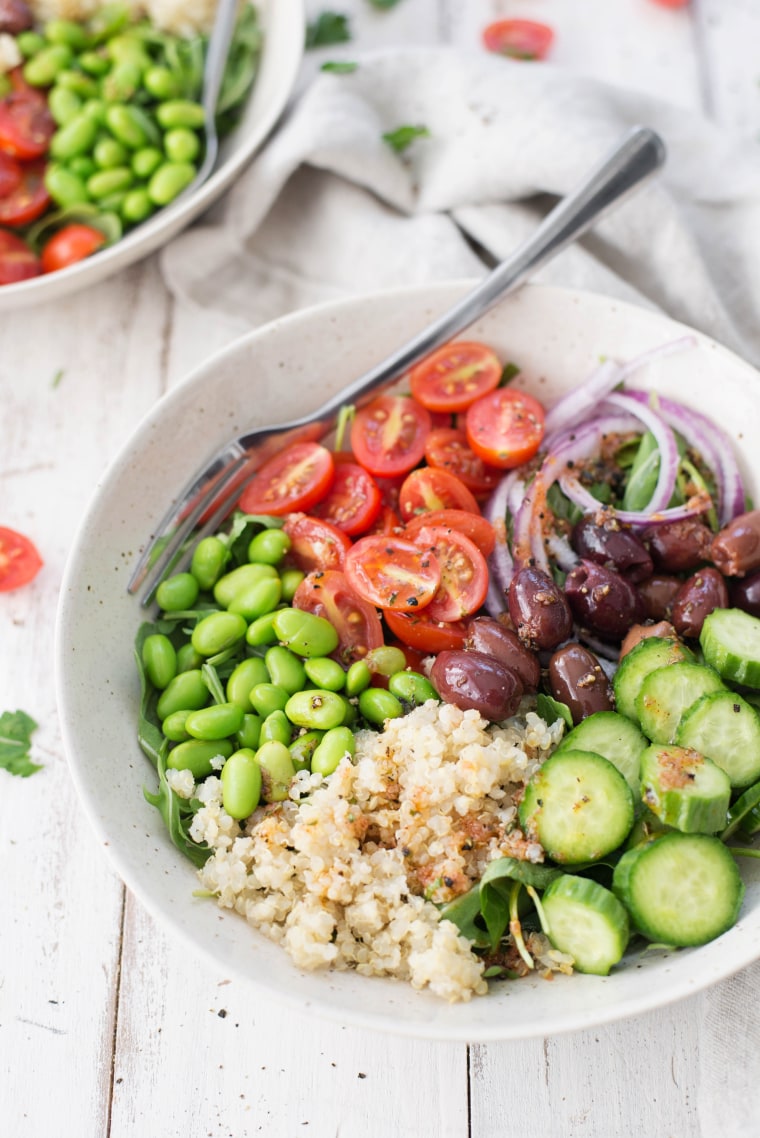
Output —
<point x="683" y="983"/>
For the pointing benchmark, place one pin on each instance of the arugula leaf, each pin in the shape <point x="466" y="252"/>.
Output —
<point x="339" y="67"/>
<point x="463" y="912"/>
<point x="149" y="734"/>
<point x="561" y="506"/>
<point x="526" y="872"/>
<point x="240" y="68"/>
<point x="176" y="813"/>
<point x="550" y="710"/>
<point x="243" y="528"/>
<point x="329" y="27"/>
<point x="644" y="473"/>
<point x="16" y="729"/>
<point x="404" y="136"/>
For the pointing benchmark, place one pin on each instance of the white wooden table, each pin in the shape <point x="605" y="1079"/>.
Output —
<point x="106" y="1026"/>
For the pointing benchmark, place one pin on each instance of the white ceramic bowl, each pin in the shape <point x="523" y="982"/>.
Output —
<point x="557" y="337"/>
<point x="283" y="23"/>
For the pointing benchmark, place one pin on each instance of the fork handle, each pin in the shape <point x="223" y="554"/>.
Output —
<point x="217" y="52"/>
<point x="632" y="162"/>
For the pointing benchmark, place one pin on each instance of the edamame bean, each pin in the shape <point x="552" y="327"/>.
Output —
<point x="358" y="678"/>
<point x="120" y="85"/>
<point x="377" y="705"/>
<point x="109" y="153"/>
<point x="351" y="714"/>
<point x="277" y="770"/>
<point x="136" y="206"/>
<point x="111" y="203"/>
<point x="261" y="631"/>
<point x="77" y="137"/>
<point x="325" y="673"/>
<point x="41" y="70"/>
<point x="319" y="709"/>
<point x="180" y="112"/>
<point x="228" y="586"/>
<point x="188" y="658"/>
<point x="336" y="744"/>
<point x="170" y="180"/>
<point x="290" y="579"/>
<point x="216" y="632"/>
<point x="183" y="145"/>
<point x="250" y="733"/>
<point x="144" y="163"/>
<point x="83" y="166"/>
<point x="246" y="675"/>
<point x="125" y="46"/>
<point x="302" y="749"/>
<point x="30" y="43"/>
<point x="108" y="21"/>
<point x="94" y="63"/>
<point x="95" y="109"/>
<point x="186" y="692"/>
<point x="210" y="554"/>
<point x="64" y="187"/>
<point x="276" y="726"/>
<point x="215" y="722"/>
<point x="173" y="727"/>
<point x="159" y="660"/>
<point x="107" y="182"/>
<point x="304" y="633"/>
<point x="386" y="660"/>
<point x="285" y="669"/>
<point x="241" y="784"/>
<point x="67" y="32"/>
<point x="126" y="126"/>
<point x="78" y="83"/>
<point x="412" y="688"/>
<point x="267" y="698"/>
<point x="270" y="546"/>
<point x="196" y="756"/>
<point x="63" y="105"/>
<point x="179" y="591"/>
<point x="161" y="83"/>
<point x="257" y="600"/>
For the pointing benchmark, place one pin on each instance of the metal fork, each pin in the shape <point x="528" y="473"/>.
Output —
<point x="211" y="495"/>
<point x="213" y="73"/>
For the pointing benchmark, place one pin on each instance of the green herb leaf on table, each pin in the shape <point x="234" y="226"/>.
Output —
<point x="328" y="28"/>
<point x="404" y="136"/>
<point x="508" y="374"/>
<point x="384" y="4"/>
<point x="16" y="728"/>
<point x="339" y="67"/>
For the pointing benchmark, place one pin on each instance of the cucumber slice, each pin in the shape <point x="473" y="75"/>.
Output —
<point x="586" y="920"/>
<point x="726" y="729"/>
<point x="615" y="738"/>
<point x="668" y="693"/>
<point x="682" y="890"/>
<point x="648" y="655"/>
<point x="578" y="806"/>
<point x="730" y="640"/>
<point x="684" y="789"/>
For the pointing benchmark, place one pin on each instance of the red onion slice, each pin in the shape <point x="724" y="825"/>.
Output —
<point x="666" y="444"/>
<point x="591" y="505"/>
<point x="577" y="403"/>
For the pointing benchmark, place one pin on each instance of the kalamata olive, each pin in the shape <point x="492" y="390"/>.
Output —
<point x="736" y="549"/>
<point x="576" y="678"/>
<point x="745" y="594"/>
<point x="15" y="17"/>
<point x="539" y="609"/>
<point x="704" y="591"/>
<point x="658" y="592"/>
<point x="613" y="547"/>
<point x="493" y="639"/>
<point x="603" y="601"/>
<point x="474" y="680"/>
<point x="678" y="546"/>
<point x="638" y="632"/>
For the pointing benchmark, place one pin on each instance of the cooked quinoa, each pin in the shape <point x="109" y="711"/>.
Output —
<point x="183" y="17"/>
<point x="347" y="873"/>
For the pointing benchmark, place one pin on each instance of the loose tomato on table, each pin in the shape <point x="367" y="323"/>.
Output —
<point x="388" y="435"/>
<point x="455" y="376"/>
<point x="519" y="39"/>
<point x="19" y="560"/>
<point x="71" y="244"/>
<point x="17" y="261"/>
<point x="358" y="626"/>
<point x="506" y="427"/>
<point x="425" y="634"/>
<point x="473" y="526"/>
<point x="26" y="125"/>
<point x="430" y="489"/>
<point x="448" y="449"/>
<point x="353" y="502"/>
<point x="464" y="573"/>
<point x="392" y="573"/>
<point x="315" y="543"/>
<point x="295" y="479"/>
<point x="28" y="200"/>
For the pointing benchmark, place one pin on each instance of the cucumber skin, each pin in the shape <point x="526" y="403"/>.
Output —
<point x="726" y="663"/>
<point x="624" y="881"/>
<point x="648" y="704"/>
<point x="583" y="891"/>
<point x="685" y="808"/>
<point x="670" y="652"/>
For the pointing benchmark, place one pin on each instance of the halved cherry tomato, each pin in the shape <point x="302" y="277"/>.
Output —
<point x="388" y="435"/>
<point x="26" y="125"/>
<point x="10" y="174"/>
<point x="19" y="560"/>
<point x="455" y="376"/>
<point x="425" y="634"/>
<point x="392" y="573"/>
<point x="28" y="200"/>
<point x="429" y="489"/>
<point x="448" y="449"/>
<point x="464" y="573"/>
<point x="387" y="522"/>
<point x="506" y="427"/>
<point x="356" y="622"/>
<point x="479" y="531"/>
<point x="20" y="86"/>
<point x="71" y="244"/>
<point x="315" y="543"/>
<point x="353" y="501"/>
<point x="295" y="479"/>
<point x="17" y="261"/>
<point x="519" y="39"/>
